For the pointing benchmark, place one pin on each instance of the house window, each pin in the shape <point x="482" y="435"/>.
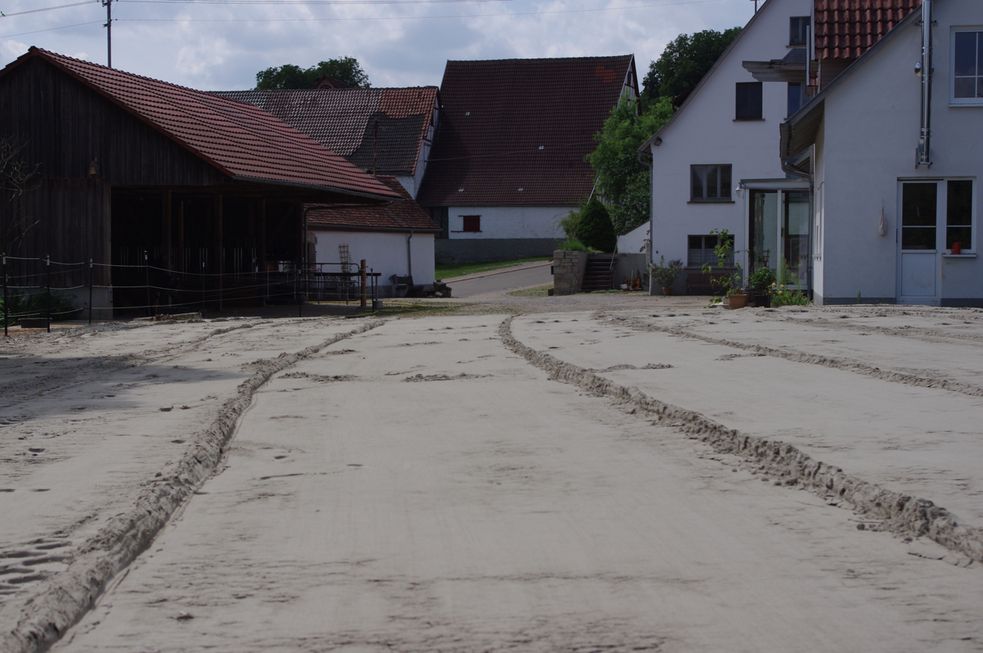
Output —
<point x="967" y="68"/>
<point x="797" y="28"/>
<point x="700" y="251"/>
<point x="710" y="183"/>
<point x="748" y="101"/>
<point x="794" y="97"/>
<point x="471" y="223"/>
<point x="959" y="214"/>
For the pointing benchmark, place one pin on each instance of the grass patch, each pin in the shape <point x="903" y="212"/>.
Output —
<point x="537" y="291"/>
<point x="450" y="271"/>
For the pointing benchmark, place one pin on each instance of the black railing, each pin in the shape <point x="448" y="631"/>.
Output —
<point x="42" y="289"/>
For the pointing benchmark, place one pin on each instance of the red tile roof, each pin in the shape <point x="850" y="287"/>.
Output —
<point x="400" y="215"/>
<point x="515" y="132"/>
<point x="845" y="29"/>
<point x="344" y="120"/>
<point x="241" y="141"/>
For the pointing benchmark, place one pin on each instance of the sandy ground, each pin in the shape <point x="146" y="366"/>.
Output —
<point x="420" y="486"/>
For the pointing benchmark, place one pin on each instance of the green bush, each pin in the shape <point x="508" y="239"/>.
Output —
<point x="573" y="245"/>
<point x="592" y="226"/>
<point x="782" y="295"/>
<point x="762" y="279"/>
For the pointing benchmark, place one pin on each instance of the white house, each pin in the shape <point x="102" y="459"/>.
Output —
<point x="892" y="148"/>
<point x="714" y="165"/>
<point x="508" y="164"/>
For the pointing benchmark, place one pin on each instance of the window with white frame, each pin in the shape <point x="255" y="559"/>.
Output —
<point x="700" y="251"/>
<point x="967" y="66"/>
<point x="710" y="183"/>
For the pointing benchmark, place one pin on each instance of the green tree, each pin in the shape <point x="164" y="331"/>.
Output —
<point x="345" y="71"/>
<point x="622" y="180"/>
<point x="683" y="64"/>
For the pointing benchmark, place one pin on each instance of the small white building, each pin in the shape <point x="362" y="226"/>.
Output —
<point x="892" y="149"/>
<point x="714" y="164"/>
<point x="396" y="239"/>
<point x="508" y="164"/>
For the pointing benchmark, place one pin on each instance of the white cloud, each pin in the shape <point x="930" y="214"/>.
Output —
<point x="223" y="46"/>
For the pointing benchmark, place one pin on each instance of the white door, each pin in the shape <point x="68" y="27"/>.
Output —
<point x="918" y="269"/>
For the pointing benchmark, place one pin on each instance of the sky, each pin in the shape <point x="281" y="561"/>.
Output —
<point x="222" y="44"/>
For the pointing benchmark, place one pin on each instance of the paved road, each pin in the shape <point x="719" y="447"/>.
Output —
<point x="501" y="281"/>
<point x="421" y="488"/>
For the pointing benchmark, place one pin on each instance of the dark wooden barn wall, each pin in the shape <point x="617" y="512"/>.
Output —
<point x="65" y="126"/>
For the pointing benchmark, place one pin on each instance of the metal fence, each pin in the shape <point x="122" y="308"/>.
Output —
<point x="40" y="288"/>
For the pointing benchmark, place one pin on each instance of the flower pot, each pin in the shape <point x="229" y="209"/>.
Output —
<point x="957" y="248"/>
<point x="737" y="300"/>
<point x="761" y="299"/>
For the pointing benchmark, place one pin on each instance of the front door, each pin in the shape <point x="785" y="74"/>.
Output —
<point x="919" y="260"/>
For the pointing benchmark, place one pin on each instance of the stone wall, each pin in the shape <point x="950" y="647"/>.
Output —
<point x="568" y="271"/>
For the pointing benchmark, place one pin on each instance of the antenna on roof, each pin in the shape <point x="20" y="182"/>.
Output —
<point x="108" y="4"/>
<point x="755" y="6"/>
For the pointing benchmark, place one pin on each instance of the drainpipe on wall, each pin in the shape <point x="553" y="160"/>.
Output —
<point x="924" y="150"/>
<point x="409" y="254"/>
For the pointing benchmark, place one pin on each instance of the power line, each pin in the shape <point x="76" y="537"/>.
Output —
<point x="303" y="2"/>
<point x="308" y="19"/>
<point x="51" y="29"/>
<point x="11" y="14"/>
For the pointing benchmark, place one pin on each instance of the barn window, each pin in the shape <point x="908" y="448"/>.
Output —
<point x="471" y="223"/>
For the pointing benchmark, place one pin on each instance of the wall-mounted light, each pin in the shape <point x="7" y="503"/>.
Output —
<point x="918" y="67"/>
<point x="94" y="168"/>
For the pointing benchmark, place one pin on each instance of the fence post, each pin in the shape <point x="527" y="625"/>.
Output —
<point x="202" y="288"/>
<point x="301" y="286"/>
<point x="90" y="291"/>
<point x="146" y="283"/>
<point x="6" y="309"/>
<point x="47" y="290"/>
<point x="363" y="295"/>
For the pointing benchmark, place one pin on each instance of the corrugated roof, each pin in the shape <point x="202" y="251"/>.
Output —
<point x="380" y="129"/>
<point x="845" y="29"/>
<point x="514" y="132"/>
<point x="241" y="141"/>
<point x="402" y="215"/>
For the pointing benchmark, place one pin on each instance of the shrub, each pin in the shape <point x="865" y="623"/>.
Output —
<point x="762" y="279"/>
<point x="782" y="295"/>
<point x="665" y="275"/>
<point x="592" y="226"/>
<point x="573" y="245"/>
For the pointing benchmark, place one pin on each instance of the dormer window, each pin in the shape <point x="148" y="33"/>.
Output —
<point x="798" y="27"/>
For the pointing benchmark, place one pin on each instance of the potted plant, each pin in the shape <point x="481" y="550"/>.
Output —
<point x="665" y="275"/>
<point x="760" y="282"/>
<point x="737" y="297"/>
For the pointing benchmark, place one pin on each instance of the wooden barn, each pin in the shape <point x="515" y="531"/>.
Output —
<point x="169" y="191"/>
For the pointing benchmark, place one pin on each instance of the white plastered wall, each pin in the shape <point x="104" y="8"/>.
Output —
<point x="705" y="132"/>
<point x="509" y="221"/>
<point x="872" y="120"/>
<point x="385" y="253"/>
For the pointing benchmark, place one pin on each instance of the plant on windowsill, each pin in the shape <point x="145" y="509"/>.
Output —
<point x="761" y="281"/>
<point x="665" y="275"/>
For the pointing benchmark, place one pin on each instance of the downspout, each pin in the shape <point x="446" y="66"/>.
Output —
<point x="924" y="151"/>
<point x="409" y="255"/>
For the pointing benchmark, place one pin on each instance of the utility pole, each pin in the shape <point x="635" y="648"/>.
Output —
<point x="108" y="4"/>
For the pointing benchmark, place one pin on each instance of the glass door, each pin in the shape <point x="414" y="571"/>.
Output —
<point x="795" y="238"/>
<point x="919" y="267"/>
<point x="779" y="235"/>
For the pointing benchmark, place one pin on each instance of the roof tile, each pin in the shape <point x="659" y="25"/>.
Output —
<point x="845" y="29"/>
<point x="240" y="140"/>
<point x="399" y="215"/>
<point x="514" y="132"/>
<point x="344" y="120"/>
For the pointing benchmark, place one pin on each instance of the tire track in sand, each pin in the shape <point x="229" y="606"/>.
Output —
<point x="898" y="513"/>
<point x="62" y="599"/>
<point x="796" y="356"/>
